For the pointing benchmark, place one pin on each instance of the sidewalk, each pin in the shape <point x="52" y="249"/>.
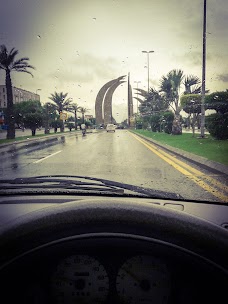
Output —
<point x="28" y="133"/>
<point x="19" y="133"/>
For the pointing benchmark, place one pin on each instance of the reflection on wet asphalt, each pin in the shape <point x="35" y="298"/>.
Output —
<point x="31" y="147"/>
<point x="19" y="155"/>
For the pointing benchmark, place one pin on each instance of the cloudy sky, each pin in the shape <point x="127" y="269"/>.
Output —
<point x="78" y="45"/>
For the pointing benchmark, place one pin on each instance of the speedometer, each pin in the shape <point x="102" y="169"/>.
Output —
<point x="143" y="279"/>
<point x="80" y="279"/>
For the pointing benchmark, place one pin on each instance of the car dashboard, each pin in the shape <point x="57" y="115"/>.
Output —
<point x="99" y="264"/>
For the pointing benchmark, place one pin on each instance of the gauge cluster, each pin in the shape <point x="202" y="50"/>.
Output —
<point x="83" y="279"/>
<point x="109" y="270"/>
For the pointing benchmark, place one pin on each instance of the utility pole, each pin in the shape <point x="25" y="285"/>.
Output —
<point x="203" y="71"/>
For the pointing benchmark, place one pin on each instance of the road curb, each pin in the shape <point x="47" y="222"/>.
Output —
<point x="212" y="166"/>
<point x="30" y="139"/>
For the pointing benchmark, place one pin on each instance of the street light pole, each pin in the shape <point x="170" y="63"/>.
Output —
<point x="148" y="67"/>
<point x="137" y="82"/>
<point x="203" y="71"/>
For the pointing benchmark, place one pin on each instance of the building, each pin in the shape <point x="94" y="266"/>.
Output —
<point x="18" y="96"/>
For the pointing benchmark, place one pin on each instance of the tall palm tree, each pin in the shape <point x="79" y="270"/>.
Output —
<point x="9" y="64"/>
<point x="61" y="104"/>
<point x="74" y="108"/>
<point x="83" y="111"/>
<point x="170" y="87"/>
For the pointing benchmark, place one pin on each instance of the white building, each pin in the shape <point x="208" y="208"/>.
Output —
<point x="18" y="96"/>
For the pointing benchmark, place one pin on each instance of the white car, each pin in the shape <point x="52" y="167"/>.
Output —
<point x="111" y="127"/>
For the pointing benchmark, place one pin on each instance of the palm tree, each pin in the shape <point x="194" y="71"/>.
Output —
<point x="83" y="111"/>
<point x="9" y="64"/>
<point x="170" y="87"/>
<point x="61" y="104"/>
<point x="74" y="108"/>
<point x="191" y="84"/>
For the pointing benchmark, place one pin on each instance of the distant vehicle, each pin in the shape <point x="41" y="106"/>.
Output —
<point x="111" y="127"/>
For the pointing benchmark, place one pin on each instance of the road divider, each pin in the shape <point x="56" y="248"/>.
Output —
<point x="40" y="160"/>
<point x="213" y="186"/>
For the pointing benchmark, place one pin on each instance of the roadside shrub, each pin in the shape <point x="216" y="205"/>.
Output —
<point x="168" y="117"/>
<point x="155" y="122"/>
<point x="217" y="125"/>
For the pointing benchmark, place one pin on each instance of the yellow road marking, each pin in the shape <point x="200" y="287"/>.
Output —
<point x="195" y="171"/>
<point x="185" y="168"/>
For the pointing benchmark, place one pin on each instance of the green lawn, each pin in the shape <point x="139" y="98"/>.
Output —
<point x="216" y="150"/>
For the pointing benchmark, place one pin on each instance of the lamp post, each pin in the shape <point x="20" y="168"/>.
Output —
<point x="137" y="82"/>
<point x="202" y="129"/>
<point x="148" y="66"/>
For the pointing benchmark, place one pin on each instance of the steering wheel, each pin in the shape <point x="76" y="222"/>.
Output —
<point x="114" y="216"/>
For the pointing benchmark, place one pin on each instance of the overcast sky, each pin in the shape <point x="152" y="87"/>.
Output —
<point x="79" y="45"/>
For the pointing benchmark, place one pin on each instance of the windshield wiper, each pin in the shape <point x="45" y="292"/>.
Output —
<point x="78" y="184"/>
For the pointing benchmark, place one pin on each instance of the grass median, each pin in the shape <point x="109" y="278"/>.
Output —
<point x="210" y="148"/>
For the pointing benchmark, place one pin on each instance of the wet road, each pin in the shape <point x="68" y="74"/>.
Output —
<point x="119" y="156"/>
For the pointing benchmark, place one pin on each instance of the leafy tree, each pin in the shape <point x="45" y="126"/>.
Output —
<point x="57" y="123"/>
<point x="191" y="104"/>
<point x="61" y="104"/>
<point x="30" y="114"/>
<point x="9" y="64"/>
<point x="49" y="114"/>
<point x="70" y="125"/>
<point x="217" y="101"/>
<point x="33" y="121"/>
<point x="217" y="125"/>
<point x="170" y="87"/>
<point x="70" y="119"/>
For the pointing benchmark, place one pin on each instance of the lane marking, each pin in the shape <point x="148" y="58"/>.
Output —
<point x="40" y="160"/>
<point x="181" y="167"/>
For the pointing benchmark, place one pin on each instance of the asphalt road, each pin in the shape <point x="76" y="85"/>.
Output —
<point x="119" y="156"/>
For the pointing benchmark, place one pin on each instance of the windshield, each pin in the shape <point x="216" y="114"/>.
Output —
<point x="133" y="92"/>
